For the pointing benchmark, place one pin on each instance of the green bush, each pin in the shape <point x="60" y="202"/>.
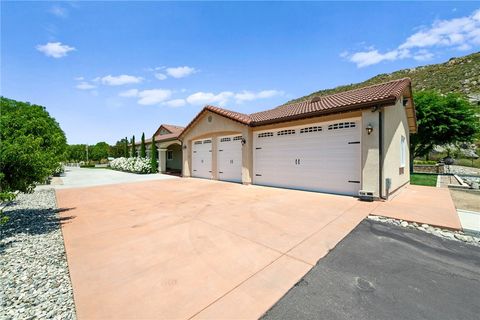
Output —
<point x="424" y="162"/>
<point x="32" y="145"/>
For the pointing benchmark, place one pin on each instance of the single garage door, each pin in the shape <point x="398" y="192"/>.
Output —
<point x="323" y="157"/>
<point x="229" y="158"/>
<point x="202" y="158"/>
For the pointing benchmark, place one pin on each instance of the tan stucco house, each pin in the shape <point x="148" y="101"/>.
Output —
<point x="346" y="143"/>
<point x="168" y="146"/>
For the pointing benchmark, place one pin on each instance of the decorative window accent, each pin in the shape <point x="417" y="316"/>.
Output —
<point x="197" y="142"/>
<point x="207" y="141"/>
<point x="341" y="125"/>
<point x="169" y="154"/>
<point x="285" y="132"/>
<point x="237" y="138"/>
<point x="403" y="151"/>
<point x="225" y="139"/>
<point x="265" y="134"/>
<point x="311" y="129"/>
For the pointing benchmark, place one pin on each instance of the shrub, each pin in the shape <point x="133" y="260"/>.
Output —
<point x="424" y="162"/>
<point x="133" y="164"/>
<point x="143" y="152"/>
<point x="134" y="150"/>
<point x="153" y="156"/>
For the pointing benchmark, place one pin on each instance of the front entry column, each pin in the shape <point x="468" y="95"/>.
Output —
<point x="162" y="163"/>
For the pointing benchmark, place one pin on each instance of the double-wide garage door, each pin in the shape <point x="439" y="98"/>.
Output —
<point x="322" y="157"/>
<point x="229" y="158"/>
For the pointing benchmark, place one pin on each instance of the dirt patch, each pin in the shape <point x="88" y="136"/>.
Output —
<point x="466" y="199"/>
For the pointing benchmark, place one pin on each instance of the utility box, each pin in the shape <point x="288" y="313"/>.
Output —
<point x="365" y="195"/>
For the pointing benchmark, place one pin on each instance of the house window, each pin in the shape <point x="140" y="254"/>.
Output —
<point x="311" y="129"/>
<point x="403" y="151"/>
<point x="341" y="125"/>
<point x="265" y="135"/>
<point x="285" y="132"/>
<point x="169" y="155"/>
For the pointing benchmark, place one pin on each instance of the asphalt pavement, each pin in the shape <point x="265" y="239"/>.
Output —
<point x="382" y="271"/>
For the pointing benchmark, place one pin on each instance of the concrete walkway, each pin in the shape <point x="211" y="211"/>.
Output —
<point x="421" y="204"/>
<point x="88" y="177"/>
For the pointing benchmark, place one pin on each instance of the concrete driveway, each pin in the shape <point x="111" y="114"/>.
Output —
<point x="191" y="248"/>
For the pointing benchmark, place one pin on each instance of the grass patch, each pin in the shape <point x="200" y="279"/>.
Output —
<point x="419" y="179"/>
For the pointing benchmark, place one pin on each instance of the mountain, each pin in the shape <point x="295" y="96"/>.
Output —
<point x="460" y="75"/>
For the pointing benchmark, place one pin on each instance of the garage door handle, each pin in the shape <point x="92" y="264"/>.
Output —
<point x="258" y="148"/>
<point x="220" y="150"/>
<point x="353" y="181"/>
<point x="354" y="142"/>
<point x="258" y="175"/>
<point x="220" y="171"/>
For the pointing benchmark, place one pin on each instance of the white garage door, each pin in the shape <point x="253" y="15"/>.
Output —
<point x="322" y="157"/>
<point x="229" y="158"/>
<point x="202" y="158"/>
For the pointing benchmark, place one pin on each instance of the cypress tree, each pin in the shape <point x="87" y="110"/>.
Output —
<point x="153" y="156"/>
<point x="143" y="152"/>
<point x="134" y="150"/>
<point x="125" y="151"/>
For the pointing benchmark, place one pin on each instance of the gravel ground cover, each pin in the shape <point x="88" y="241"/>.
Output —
<point x="442" y="233"/>
<point x="34" y="278"/>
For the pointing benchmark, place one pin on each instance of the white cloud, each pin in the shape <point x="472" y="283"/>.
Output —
<point x="175" y="103"/>
<point x="249" y="95"/>
<point x="85" y="86"/>
<point x="59" y="11"/>
<point x="54" y="49"/>
<point x="153" y="96"/>
<point x="459" y="33"/>
<point x="129" y="93"/>
<point x="202" y="98"/>
<point x="180" y="72"/>
<point x="160" y="76"/>
<point x="119" y="80"/>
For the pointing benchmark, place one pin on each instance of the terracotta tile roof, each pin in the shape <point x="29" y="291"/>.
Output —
<point x="387" y="92"/>
<point x="172" y="128"/>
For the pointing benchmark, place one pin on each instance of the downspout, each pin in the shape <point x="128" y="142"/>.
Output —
<point x="380" y="152"/>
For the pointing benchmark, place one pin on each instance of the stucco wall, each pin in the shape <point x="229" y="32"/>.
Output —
<point x="395" y="126"/>
<point x="370" y="153"/>
<point x="217" y="126"/>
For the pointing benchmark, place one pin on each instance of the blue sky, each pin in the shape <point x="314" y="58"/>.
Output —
<point x="106" y="70"/>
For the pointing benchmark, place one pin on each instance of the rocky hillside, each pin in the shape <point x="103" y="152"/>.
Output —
<point x="461" y="75"/>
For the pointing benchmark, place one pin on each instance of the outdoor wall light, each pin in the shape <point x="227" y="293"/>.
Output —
<point x="184" y="147"/>
<point x="243" y="141"/>
<point x="369" y="129"/>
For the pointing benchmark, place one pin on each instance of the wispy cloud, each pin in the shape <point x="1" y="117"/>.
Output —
<point x="175" y="103"/>
<point x="85" y="86"/>
<point x="202" y="98"/>
<point x="160" y="76"/>
<point x="180" y="72"/>
<point x="458" y="33"/>
<point x="119" y="80"/>
<point x="58" y="11"/>
<point x="54" y="49"/>
<point x="148" y="97"/>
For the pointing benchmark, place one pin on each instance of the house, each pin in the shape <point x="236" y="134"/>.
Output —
<point x="342" y="143"/>
<point x="168" y="146"/>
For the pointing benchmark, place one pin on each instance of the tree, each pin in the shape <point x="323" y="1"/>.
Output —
<point x="99" y="151"/>
<point x="442" y="120"/>
<point x="126" y="148"/>
<point x="134" y="150"/>
<point x="153" y="156"/>
<point x="76" y="152"/>
<point x="32" y="145"/>
<point x="143" y="152"/>
<point x="118" y="149"/>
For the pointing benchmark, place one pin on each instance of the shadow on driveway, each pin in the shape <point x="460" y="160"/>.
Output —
<point x="382" y="271"/>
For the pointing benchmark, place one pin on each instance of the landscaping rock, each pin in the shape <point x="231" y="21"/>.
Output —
<point x="442" y="233"/>
<point x="33" y="267"/>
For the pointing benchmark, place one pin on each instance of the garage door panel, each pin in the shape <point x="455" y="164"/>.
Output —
<point x="311" y="158"/>
<point x="202" y="158"/>
<point x="229" y="158"/>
